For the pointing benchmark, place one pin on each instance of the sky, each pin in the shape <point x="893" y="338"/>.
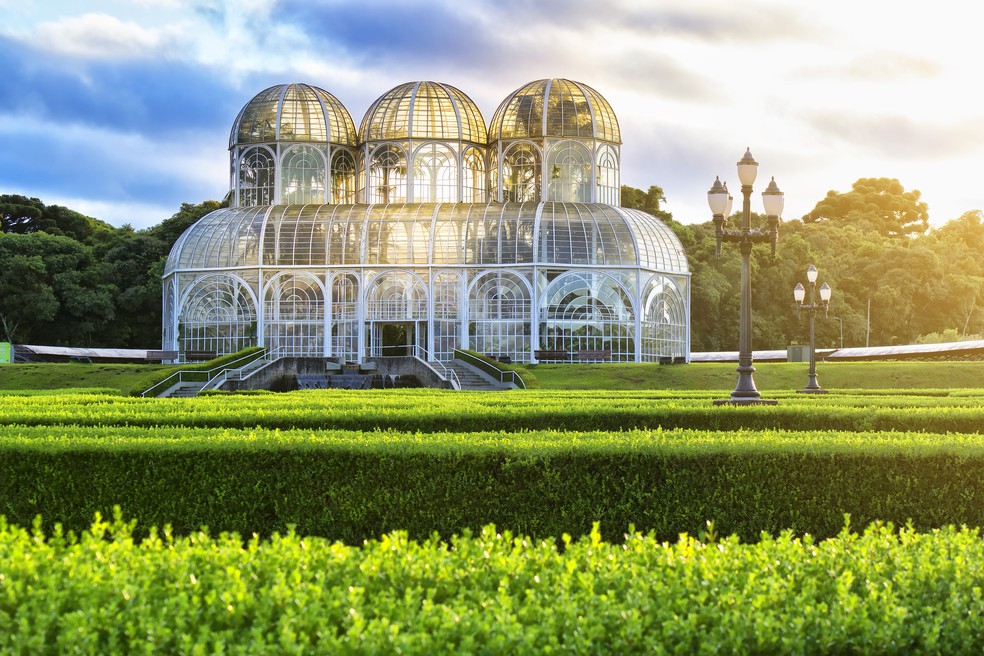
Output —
<point x="122" y="109"/>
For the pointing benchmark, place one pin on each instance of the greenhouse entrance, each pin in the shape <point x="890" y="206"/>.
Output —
<point x="394" y="338"/>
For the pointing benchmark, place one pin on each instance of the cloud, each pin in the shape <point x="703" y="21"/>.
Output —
<point x="899" y="136"/>
<point x="151" y="96"/>
<point x="878" y="66"/>
<point x="98" y="36"/>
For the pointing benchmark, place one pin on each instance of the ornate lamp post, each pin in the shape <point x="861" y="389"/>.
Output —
<point x="812" y="386"/>
<point x="719" y="201"/>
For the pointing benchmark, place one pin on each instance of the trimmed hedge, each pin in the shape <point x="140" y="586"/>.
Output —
<point x="885" y="591"/>
<point x="351" y="486"/>
<point x="441" y="410"/>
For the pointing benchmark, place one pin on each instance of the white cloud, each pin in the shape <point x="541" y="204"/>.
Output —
<point x="98" y="36"/>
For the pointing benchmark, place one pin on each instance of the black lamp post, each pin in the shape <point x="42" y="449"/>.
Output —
<point x="812" y="386"/>
<point x="719" y="201"/>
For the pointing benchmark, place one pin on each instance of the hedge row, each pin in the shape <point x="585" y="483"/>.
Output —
<point x="351" y="486"/>
<point x="435" y="410"/>
<point x="884" y="591"/>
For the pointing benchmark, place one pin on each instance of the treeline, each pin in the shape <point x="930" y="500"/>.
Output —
<point x="870" y="244"/>
<point x="68" y="279"/>
<point x="71" y="280"/>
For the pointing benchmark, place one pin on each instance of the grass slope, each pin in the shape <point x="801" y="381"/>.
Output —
<point x="126" y="378"/>
<point x="768" y="375"/>
<point x="129" y="378"/>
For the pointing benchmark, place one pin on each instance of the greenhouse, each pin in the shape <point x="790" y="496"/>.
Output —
<point x="423" y="231"/>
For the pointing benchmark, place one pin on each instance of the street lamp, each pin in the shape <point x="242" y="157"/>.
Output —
<point x="799" y="294"/>
<point x="719" y="201"/>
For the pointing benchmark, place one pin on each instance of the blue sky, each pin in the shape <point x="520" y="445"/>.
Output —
<point x="122" y="109"/>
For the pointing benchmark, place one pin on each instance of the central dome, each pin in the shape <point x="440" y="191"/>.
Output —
<point x="424" y="111"/>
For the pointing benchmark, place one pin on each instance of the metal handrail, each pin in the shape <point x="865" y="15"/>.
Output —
<point x="209" y="374"/>
<point x="228" y="374"/>
<point x="448" y="373"/>
<point x="514" y="377"/>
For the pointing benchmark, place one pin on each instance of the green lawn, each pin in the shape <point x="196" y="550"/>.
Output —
<point x="768" y="375"/>
<point x="127" y="378"/>
<point x="134" y="378"/>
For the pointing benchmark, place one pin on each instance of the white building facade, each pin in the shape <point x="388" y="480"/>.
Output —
<point x="424" y="231"/>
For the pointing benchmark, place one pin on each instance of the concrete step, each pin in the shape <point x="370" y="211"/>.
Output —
<point x="471" y="379"/>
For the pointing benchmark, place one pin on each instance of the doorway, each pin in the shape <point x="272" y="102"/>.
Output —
<point x="393" y="338"/>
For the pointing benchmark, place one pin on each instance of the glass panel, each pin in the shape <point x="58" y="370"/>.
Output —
<point x="473" y="177"/>
<point x="609" y="190"/>
<point x="218" y="316"/>
<point x="294" y="316"/>
<point x="588" y="311"/>
<point x="569" y="171"/>
<point x="388" y="175"/>
<point x="499" y="313"/>
<point x="664" y="324"/>
<point x="342" y="178"/>
<point x="435" y="175"/>
<point x="256" y="176"/>
<point x="303" y="176"/>
<point x="521" y="174"/>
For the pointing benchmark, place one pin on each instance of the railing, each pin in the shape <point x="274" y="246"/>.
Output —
<point x="437" y="366"/>
<point x="504" y="376"/>
<point x="269" y="357"/>
<point x="197" y="375"/>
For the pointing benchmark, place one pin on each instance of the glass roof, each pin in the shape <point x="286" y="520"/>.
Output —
<point x="424" y="111"/>
<point x="573" y="109"/>
<point x="428" y="234"/>
<point x="293" y="112"/>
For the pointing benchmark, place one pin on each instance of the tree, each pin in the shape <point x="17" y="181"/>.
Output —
<point x="879" y="203"/>
<point x="650" y="201"/>
<point x="168" y="231"/>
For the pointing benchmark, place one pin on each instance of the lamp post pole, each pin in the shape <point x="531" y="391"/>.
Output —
<point x="812" y="386"/>
<point x="745" y="392"/>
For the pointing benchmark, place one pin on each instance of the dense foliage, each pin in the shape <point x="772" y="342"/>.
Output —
<point x="490" y="592"/>
<point x="67" y="279"/>
<point x="870" y="244"/>
<point x="352" y="465"/>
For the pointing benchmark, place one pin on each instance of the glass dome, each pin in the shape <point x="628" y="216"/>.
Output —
<point x="555" y="108"/>
<point x="428" y="234"/>
<point x="293" y="113"/>
<point x="423" y="111"/>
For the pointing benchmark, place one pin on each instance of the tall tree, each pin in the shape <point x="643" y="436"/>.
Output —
<point x="879" y="203"/>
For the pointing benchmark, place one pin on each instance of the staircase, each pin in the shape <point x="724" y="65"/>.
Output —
<point x="472" y="379"/>
<point x="183" y="391"/>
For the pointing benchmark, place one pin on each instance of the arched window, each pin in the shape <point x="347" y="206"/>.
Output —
<point x="396" y="296"/>
<point x="664" y="324"/>
<point x="302" y="176"/>
<point x="499" y="315"/>
<point x="342" y="178"/>
<point x="521" y="174"/>
<point x="218" y="315"/>
<point x="435" y="174"/>
<point x="473" y="176"/>
<point x="609" y="191"/>
<point x="256" y="175"/>
<point x="294" y="316"/>
<point x="569" y="173"/>
<point x="387" y="175"/>
<point x="583" y="311"/>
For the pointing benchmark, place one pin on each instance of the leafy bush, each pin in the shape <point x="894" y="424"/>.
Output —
<point x="490" y="593"/>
